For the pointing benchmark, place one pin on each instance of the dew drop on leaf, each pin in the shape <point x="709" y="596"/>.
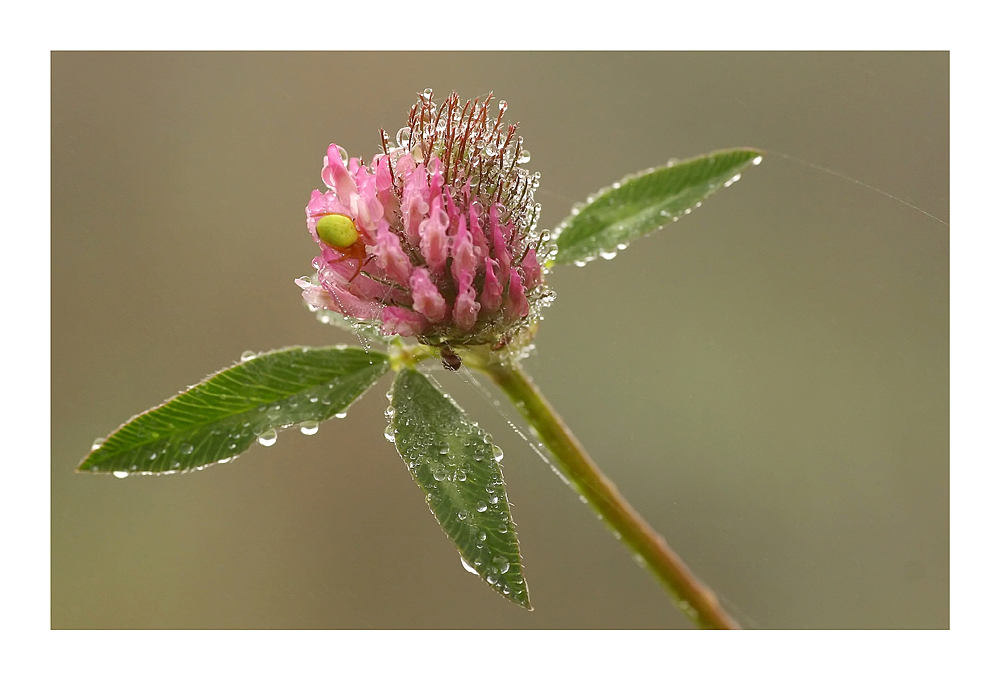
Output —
<point x="120" y="474"/>
<point x="309" y="427"/>
<point x="268" y="438"/>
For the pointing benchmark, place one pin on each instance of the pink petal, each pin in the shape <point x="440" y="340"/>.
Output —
<point x="476" y="229"/>
<point x="492" y="288"/>
<point x="532" y="270"/>
<point x="336" y="176"/>
<point x="348" y="304"/>
<point x="501" y="253"/>
<point x="434" y="238"/>
<point x="426" y="298"/>
<point x="390" y="256"/>
<point x="517" y="304"/>
<point x="463" y="257"/>
<point x="400" y="321"/>
<point x="415" y="204"/>
<point x="466" y="307"/>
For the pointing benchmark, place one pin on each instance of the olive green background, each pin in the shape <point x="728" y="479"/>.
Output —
<point x="766" y="380"/>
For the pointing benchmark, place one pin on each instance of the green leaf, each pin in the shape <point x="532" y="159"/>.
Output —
<point x="644" y="202"/>
<point x="454" y="463"/>
<point x="224" y="414"/>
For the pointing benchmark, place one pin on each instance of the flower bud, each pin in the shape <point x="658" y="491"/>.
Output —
<point x="436" y="238"/>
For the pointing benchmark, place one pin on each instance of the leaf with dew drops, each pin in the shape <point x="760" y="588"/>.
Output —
<point x="455" y="464"/>
<point x="645" y="202"/>
<point x="224" y="414"/>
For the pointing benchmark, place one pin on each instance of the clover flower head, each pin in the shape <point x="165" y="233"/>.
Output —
<point x="436" y="237"/>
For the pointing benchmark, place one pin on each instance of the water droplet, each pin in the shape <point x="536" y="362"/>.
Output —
<point x="524" y="157"/>
<point x="309" y="427"/>
<point x="462" y="514"/>
<point x="497" y="453"/>
<point x="482" y="535"/>
<point x="120" y="474"/>
<point x="98" y="443"/>
<point x="403" y="136"/>
<point x="440" y="473"/>
<point x="467" y="566"/>
<point x="481" y="507"/>
<point x="439" y="448"/>
<point x="491" y="579"/>
<point x="341" y="415"/>
<point x="268" y="438"/>
<point x="186" y="448"/>
<point x="501" y="564"/>
<point x="344" y="157"/>
<point x="461" y="475"/>
<point x="390" y="434"/>
<point x="313" y="400"/>
<point x="757" y="160"/>
<point x="248" y="355"/>
<point x="494" y="500"/>
<point x="152" y="456"/>
<point x="609" y="254"/>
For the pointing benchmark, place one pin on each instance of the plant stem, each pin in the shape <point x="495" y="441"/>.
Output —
<point x="691" y="596"/>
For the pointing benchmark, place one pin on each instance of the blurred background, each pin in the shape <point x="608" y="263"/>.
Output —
<point x="766" y="380"/>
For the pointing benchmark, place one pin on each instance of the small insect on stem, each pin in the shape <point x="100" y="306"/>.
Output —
<point x="449" y="359"/>
<point x="340" y="233"/>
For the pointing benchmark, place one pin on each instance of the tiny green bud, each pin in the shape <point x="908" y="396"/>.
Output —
<point x="337" y="231"/>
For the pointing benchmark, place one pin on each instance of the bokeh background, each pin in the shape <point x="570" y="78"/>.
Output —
<point x="766" y="379"/>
